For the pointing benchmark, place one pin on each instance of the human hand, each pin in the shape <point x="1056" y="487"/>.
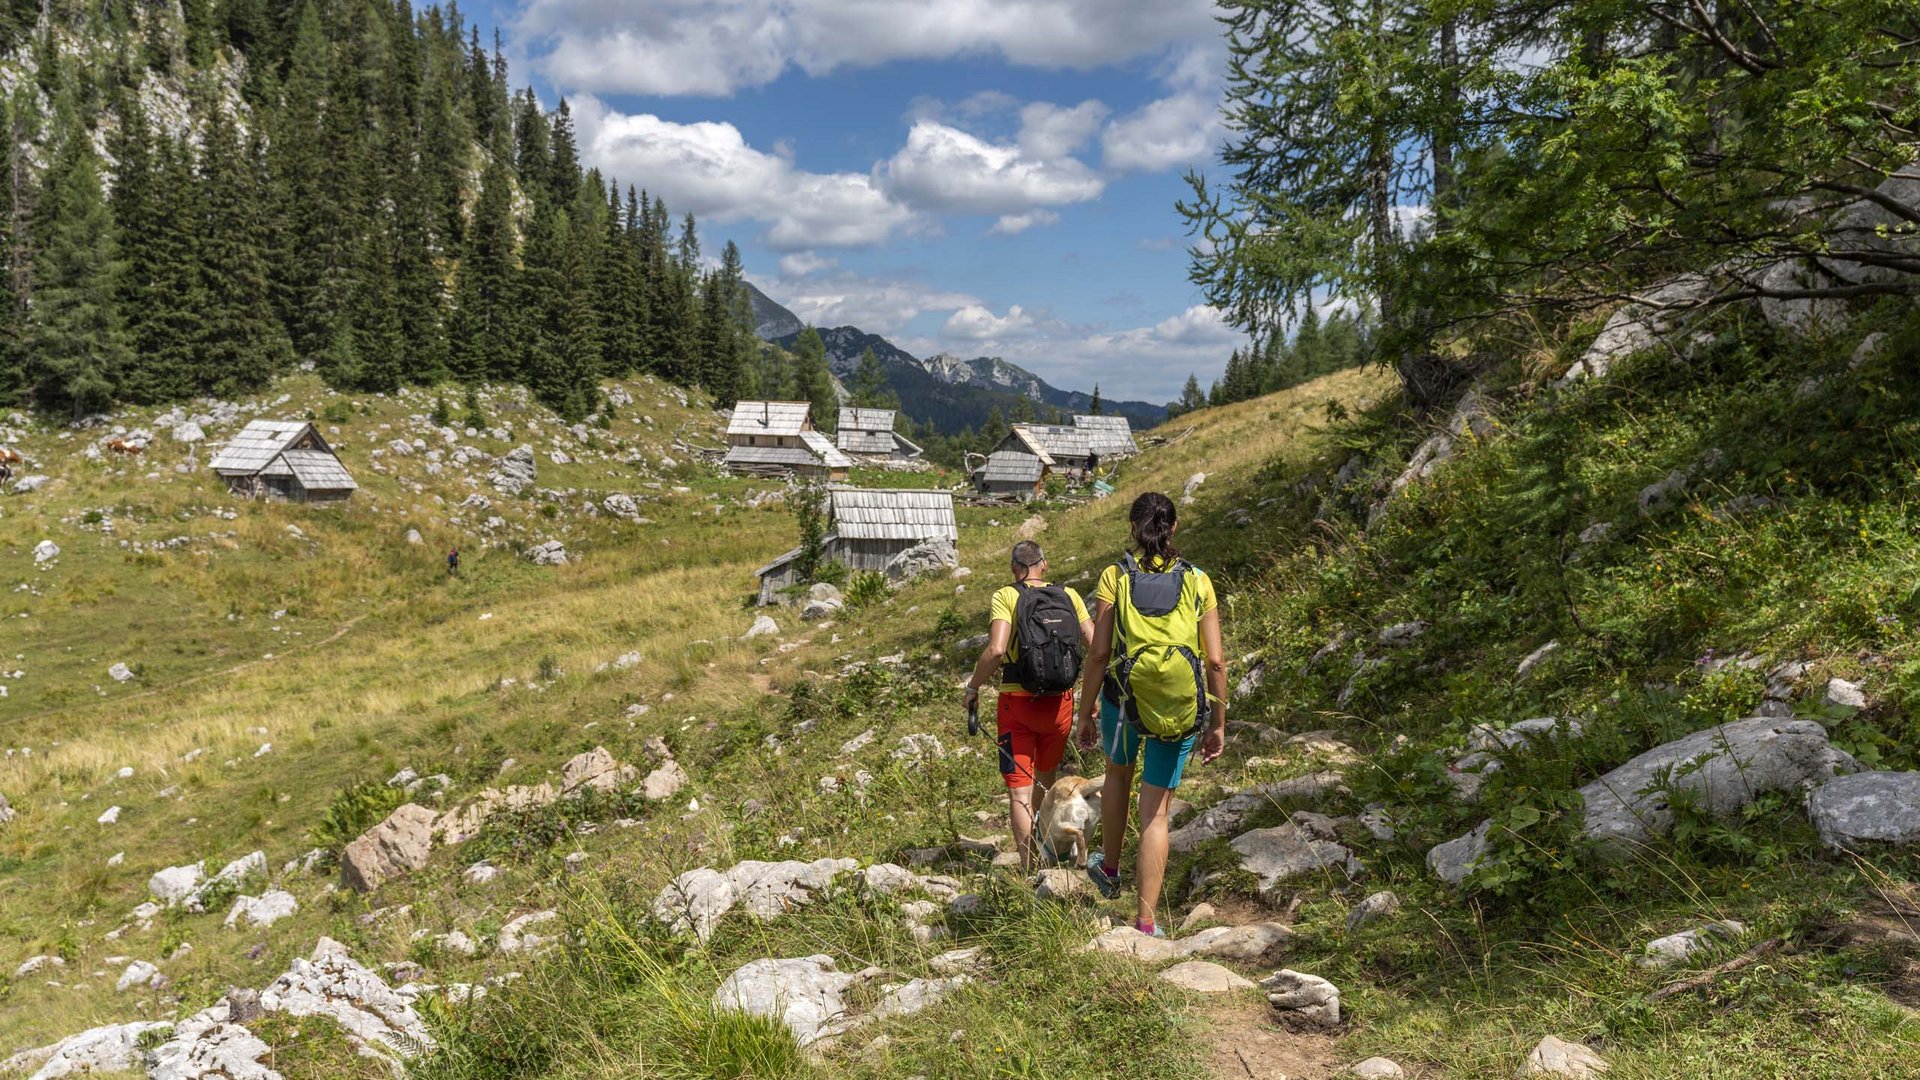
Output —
<point x="1086" y="733"/>
<point x="1213" y="743"/>
<point x="971" y="698"/>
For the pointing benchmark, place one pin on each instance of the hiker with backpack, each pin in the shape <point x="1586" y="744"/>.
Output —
<point x="1035" y="642"/>
<point x="1157" y="676"/>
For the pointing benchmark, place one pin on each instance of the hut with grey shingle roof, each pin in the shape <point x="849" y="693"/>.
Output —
<point x="869" y="433"/>
<point x="285" y="460"/>
<point x="867" y="528"/>
<point x="777" y="437"/>
<point x="1017" y="467"/>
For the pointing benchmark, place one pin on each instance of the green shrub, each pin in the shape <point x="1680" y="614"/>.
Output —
<point x="353" y="811"/>
<point x="866" y="589"/>
<point x="337" y="412"/>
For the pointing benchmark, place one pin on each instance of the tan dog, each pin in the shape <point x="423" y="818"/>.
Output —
<point x="1067" y="815"/>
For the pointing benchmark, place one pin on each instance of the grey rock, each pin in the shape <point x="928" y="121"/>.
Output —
<point x="1375" y="907"/>
<point x="819" y="610"/>
<point x="1305" y="997"/>
<point x="1535" y="658"/>
<point x="1867" y="225"/>
<point x="396" y="846"/>
<point x="45" y="551"/>
<point x="175" y="883"/>
<point x="1452" y="861"/>
<point x="1554" y="1057"/>
<point x="111" y="1048"/>
<point x="1844" y="695"/>
<point x="763" y="625"/>
<point x="1297" y="849"/>
<point x="1402" y="633"/>
<point x="516" y="472"/>
<point x="664" y="782"/>
<point x="1598" y="532"/>
<point x="548" y="553"/>
<point x="1638" y="325"/>
<point x="1852" y="812"/>
<point x="1225" y="817"/>
<point x="805" y="994"/>
<point x="1676" y="948"/>
<point x="1663" y="495"/>
<point x="1378" y="1068"/>
<point x="935" y="554"/>
<point x="1060" y="883"/>
<point x="1722" y="768"/>
<point x="620" y="505"/>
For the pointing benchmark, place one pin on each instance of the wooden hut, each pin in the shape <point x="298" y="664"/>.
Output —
<point x="1016" y="468"/>
<point x="869" y="433"/>
<point x="777" y="437"/>
<point x="1111" y="437"/>
<point x="1069" y="447"/>
<point x="867" y="528"/>
<point x="285" y="460"/>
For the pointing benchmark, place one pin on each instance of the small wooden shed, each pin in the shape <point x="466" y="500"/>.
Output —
<point x="283" y="459"/>
<point x="1017" y="467"/>
<point x="869" y="433"/>
<point x="1070" y="447"/>
<point x="867" y="528"/>
<point x="777" y="437"/>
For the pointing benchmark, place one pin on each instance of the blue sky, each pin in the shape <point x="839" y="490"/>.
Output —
<point x="981" y="177"/>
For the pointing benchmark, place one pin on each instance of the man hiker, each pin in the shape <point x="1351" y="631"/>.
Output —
<point x="453" y="562"/>
<point x="1035" y="640"/>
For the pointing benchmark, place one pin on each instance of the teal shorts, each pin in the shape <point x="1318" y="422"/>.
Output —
<point x="1164" y="760"/>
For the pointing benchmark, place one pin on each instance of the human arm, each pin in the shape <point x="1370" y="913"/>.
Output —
<point x="1214" y="741"/>
<point x="1093" y="673"/>
<point x="999" y="634"/>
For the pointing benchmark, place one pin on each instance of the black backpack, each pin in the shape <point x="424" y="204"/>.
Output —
<point x="1047" y="628"/>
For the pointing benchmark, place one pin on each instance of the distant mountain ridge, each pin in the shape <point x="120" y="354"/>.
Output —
<point x="952" y="392"/>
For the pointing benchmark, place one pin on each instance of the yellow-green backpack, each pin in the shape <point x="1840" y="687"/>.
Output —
<point x="1162" y="691"/>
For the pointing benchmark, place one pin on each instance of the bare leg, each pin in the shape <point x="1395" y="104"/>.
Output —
<point x="1020" y="814"/>
<point x="1151" y="865"/>
<point x="1116" y="795"/>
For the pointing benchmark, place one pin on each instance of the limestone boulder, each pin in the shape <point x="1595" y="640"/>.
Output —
<point x="1556" y="1057"/>
<point x="1307" y="998"/>
<point x="1301" y="848"/>
<point x="1225" y="817"/>
<point x="1204" y="977"/>
<point x="399" y="845"/>
<point x="804" y="993"/>
<point x="1721" y="769"/>
<point x="1452" y="861"/>
<point x="1866" y="808"/>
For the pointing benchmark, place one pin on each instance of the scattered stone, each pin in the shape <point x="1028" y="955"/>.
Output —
<point x="120" y="673"/>
<point x="1402" y="633"/>
<point x="1309" y="998"/>
<point x="36" y="963"/>
<point x="1722" y="768"/>
<point x="1378" y="1068"/>
<point x="1676" y="948"/>
<point x="763" y="625"/>
<point x="1641" y="323"/>
<point x="414" y="537"/>
<point x="620" y="505"/>
<point x="1205" y="977"/>
<point x="45" y="551"/>
<point x="1192" y="485"/>
<point x="1554" y="1057"/>
<point x="1452" y="861"/>
<point x="174" y="884"/>
<point x="516" y="472"/>
<point x="1378" y="906"/>
<point x="929" y="556"/>
<point x="481" y="873"/>
<point x="1060" y="883"/>
<point x="1301" y="847"/>
<point x="857" y="743"/>
<point x="138" y="974"/>
<point x="697" y="899"/>
<point x="1127" y="941"/>
<point x="109" y="816"/>
<point x="913" y="996"/>
<point x="594" y="769"/>
<point x="1663" y="495"/>
<point x="263" y="910"/>
<point x="396" y="846"/>
<point x="1851" y="812"/>
<point x="959" y="961"/>
<point x="1844" y="695"/>
<point x="109" y="1049"/>
<point x="804" y="994"/>
<point x="664" y="782"/>
<point x="1532" y="660"/>
<point x="1225" y="817"/>
<point x="548" y="553"/>
<point x="1201" y="913"/>
<point x="518" y="936"/>
<point x="376" y="1019"/>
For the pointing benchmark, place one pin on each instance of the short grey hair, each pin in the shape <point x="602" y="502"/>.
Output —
<point x="1028" y="553"/>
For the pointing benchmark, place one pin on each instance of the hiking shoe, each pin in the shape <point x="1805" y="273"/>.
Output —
<point x="1108" y="884"/>
<point x="1157" y="931"/>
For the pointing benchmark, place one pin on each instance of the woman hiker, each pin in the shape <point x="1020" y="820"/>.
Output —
<point x="1157" y="621"/>
<point x="1034" y="643"/>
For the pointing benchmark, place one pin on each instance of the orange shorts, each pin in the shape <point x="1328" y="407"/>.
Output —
<point x="1033" y="735"/>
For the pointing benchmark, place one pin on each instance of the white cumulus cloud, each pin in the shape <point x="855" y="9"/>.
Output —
<point x="708" y="168"/>
<point x="976" y="323"/>
<point x="1014" y="224"/>
<point x="715" y="47"/>
<point x="942" y="168"/>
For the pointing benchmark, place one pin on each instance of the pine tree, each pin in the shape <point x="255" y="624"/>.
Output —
<point x="1094" y="407"/>
<point x="619" y="294"/>
<point x="78" y="344"/>
<point x="166" y="333"/>
<point x="241" y="344"/>
<point x="813" y="381"/>
<point x="869" y="380"/>
<point x="485" y="335"/>
<point x="14" y="261"/>
<point x="564" y="162"/>
<point x="1192" y="398"/>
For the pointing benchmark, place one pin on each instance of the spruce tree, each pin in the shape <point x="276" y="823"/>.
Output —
<point x="485" y="323"/>
<point x="241" y="344"/>
<point x="78" y="348"/>
<point x="618" y="290"/>
<point x="1094" y="407"/>
<point x="166" y="334"/>
<point x="813" y="381"/>
<point x="869" y="380"/>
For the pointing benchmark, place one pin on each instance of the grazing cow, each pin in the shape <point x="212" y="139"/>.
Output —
<point x="121" y="446"/>
<point x="10" y="456"/>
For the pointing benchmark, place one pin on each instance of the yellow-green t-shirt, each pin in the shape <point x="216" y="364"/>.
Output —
<point x="1005" y="599"/>
<point x="1109" y="585"/>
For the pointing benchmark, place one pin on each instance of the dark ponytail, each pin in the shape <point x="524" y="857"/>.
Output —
<point x="1152" y="519"/>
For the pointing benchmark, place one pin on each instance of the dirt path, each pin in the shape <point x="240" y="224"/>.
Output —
<point x="1245" y="1043"/>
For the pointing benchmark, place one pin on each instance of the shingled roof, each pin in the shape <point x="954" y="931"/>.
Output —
<point x="1111" y="436"/>
<point x="284" y="448"/>
<point x="255" y="446"/>
<point x="1010" y="467"/>
<point x="893" y="514"/>
<point x="817" y="453"/>
<point x="768" y="418"/>
<point x="1059" y="440"/>
<point x="866" y="431"/>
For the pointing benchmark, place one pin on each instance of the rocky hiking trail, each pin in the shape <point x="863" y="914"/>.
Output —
<point x="716" y="841"/>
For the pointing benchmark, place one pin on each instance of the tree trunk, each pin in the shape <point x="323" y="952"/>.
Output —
<point x="1444" y="133"/>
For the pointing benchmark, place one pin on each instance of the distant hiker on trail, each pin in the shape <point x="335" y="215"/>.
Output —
<point x="453" y="562"/>
<point x="1155" y="617"/>
<point x="1035" y="640"/>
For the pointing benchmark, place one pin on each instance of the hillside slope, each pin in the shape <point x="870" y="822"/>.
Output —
<point x="1672" y="548"/>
